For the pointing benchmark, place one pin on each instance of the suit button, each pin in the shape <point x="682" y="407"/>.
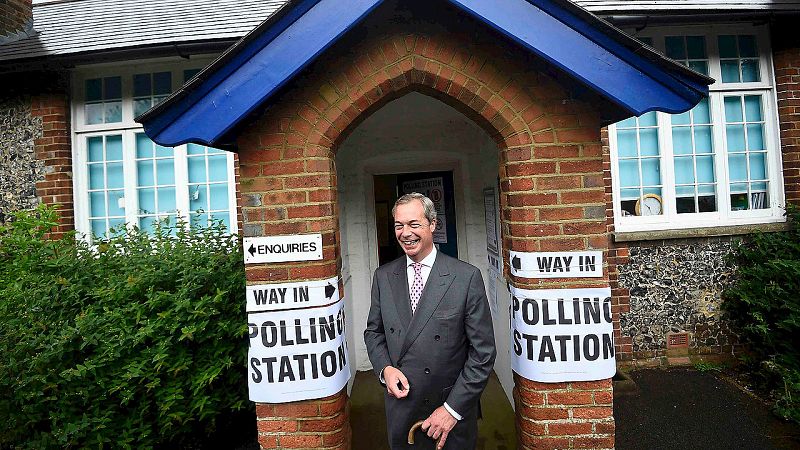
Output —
<point x="437" y="337"/>
<point x="391" y="330"/>
<point x="427" y="370"/>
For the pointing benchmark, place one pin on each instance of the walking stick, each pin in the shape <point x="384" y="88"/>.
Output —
<point x="413" y="429"/>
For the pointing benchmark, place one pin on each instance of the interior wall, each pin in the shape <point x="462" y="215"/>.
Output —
<point x="415" y="133"/>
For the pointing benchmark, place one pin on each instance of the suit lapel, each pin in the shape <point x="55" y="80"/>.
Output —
<point x="399" y="283"/>
<point x="438" y="282"/>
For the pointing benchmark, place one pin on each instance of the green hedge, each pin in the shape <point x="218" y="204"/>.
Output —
<point x="764" y="303"/>
<point x="139" y="342"/>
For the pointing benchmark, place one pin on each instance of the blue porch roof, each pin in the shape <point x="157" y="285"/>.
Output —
<point x="247" y="75"/>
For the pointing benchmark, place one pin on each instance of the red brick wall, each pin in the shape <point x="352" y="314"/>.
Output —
<point x="552" y="191"/>
<point x="15" y="16"/>
<point x="786" y="49"/>
<point x="54" y="150"/>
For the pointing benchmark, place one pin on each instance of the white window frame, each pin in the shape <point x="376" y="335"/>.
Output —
<point x="128" y="128"/>
<point x="670" y="219"/>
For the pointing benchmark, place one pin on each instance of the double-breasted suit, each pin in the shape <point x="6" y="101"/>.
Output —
<point x="445" y="349"/>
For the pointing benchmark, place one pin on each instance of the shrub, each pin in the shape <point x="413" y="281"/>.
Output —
<point x="139" y="341"/>
<point x="764" y="303"/>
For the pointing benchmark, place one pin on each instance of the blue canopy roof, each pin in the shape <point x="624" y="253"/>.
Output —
<point x="601" y="57"/>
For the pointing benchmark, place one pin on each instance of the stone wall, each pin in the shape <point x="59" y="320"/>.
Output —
<point x="677" y="287"/>
<point x="19" y="168"/>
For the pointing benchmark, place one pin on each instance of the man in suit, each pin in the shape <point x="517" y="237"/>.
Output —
<point x="429" y="335"/>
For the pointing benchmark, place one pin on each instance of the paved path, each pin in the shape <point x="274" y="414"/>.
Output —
<point x="687" y="409"/>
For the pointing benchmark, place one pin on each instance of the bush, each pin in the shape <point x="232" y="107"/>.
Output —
<point x="764" y="303"/>
<point x="139" y="341"/>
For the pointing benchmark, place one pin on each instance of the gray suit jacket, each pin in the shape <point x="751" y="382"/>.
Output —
<point x="446" y="349"/>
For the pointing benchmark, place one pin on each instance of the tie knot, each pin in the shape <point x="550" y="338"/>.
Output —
<point x="417" y="267"/>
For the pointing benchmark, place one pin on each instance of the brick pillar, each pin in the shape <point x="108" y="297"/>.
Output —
<point x="54" y="151"/>
<point x="555" y="202"/>
<point x="787" y="84"/>
<point x="289" y="188"/>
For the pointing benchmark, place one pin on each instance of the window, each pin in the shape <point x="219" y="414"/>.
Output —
<point x="122" y="177"/>
<point x="717" y="164"/>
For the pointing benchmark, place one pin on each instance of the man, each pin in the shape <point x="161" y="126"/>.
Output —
<point x="429" y="335"/>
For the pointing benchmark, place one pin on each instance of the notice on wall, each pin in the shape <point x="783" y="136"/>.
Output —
<point x="270" y="249"/>
<point x="562" y="334"/>
<point x="588" y="264"/>
<point x="297" y="355"/>
<point x="433" y="188"/>
<point x="282" y="296"/>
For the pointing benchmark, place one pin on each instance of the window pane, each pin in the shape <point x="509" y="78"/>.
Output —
<point x="648" y="142"/>
<point x="166" y="199"/>
<point x="198" y="197"/>
<point x="99" y="227"/>
<point x="218" y="196"/>
<point x="217" y="168"/>
<point x="752" y="107"/>
<point x="95" y="145"/>
<point x="113" y="112"/>
<point x="114" y="148"/>
<point x="163" y="152"/>
<point x="699" y="66"/>
<point x="147" y="223"/>
<point x="737" y="166"/>
<point x="674" y="46"/>
<point x="94" y="90"/>
<point x="651" y="172"/>
<point x="758" y="169"/>
<point x="703" y="141"/>
<point x="115" y="203"/>
<point x="140" y="106"/>
<point x="144" y="173"/>
<point x="626" y="142"/>
<point x="730" y="71"/>
<point x="748" y="47"/>
<point x="144" y="146"/>
<point x="755" y="137"/>
<point x="727" y="47"/>
<point x="96" y="176"/>
<point x="705" y="169"/>
<point x="682" y="119"/>
<point x="112" y="87"/>
<point x="222" y="217"/>
<point x="197" y="170"/>
<point x="162" y="83"/>
<point x="94" y="113"/>
<point x="684" y="170"/>
<point x="147" y="201"/>
<point x="733" y="109"/>
<point x="114" y="175"/>
<point x="701" y="113"/>
<point x="97" y="204"/>
<point x="682" y="140"/>
<point x="750" y="72"/>
<point x="141" y="85"/>
<point x="648" y="119"/>
<point x="199" y="220"/>
<point x="735" y="138"/>
<point x="165" y="168"/>
<point x="696" y="47"/>
<point x="629" y="173"/>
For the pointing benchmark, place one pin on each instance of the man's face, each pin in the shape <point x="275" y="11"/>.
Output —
<point x="413" y="231"/>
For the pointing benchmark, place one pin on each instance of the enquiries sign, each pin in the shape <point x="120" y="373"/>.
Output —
<point x="271" y="249"/>
<point x="562" y="334"/>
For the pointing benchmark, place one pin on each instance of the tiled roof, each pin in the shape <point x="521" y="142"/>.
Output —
<point x="75" y="27"/>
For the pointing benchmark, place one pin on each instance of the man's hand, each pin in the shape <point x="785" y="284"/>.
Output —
<point x="396" y="382"/>
<point x="439" y="424"/>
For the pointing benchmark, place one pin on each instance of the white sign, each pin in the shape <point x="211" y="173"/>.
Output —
<point x="562" y="334"/>
<point x="433" y="188"/>
<point x="270" y="249"/>
<point x="297" y="355"/>
<point x="489" y="210"/>
<point x="282" y="296"/>
<point x="557" y="264"/>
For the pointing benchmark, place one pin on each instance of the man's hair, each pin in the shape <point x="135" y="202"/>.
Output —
<point x="427" y="205"/>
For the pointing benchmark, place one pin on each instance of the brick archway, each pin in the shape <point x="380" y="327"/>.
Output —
<point x="552" y="194"/>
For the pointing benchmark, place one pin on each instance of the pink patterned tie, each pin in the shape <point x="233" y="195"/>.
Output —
<point x="416" y="286"/>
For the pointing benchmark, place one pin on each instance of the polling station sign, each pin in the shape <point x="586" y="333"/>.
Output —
<point x="282" y="296"/>
<point x="297" y="354"/>
<point x="562" y="334"/>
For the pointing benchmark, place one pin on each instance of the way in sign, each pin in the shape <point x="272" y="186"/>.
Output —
<point x="280" y="296"/>
<point x="275" y="296"/>
<point x="552" y="264"/>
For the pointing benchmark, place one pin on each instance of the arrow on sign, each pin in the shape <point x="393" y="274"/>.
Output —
<point x="252" y="250"/>
<point x="516" y="263"/>
<point x="329" y="291"/>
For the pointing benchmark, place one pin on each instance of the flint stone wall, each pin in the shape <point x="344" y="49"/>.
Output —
<point x="677" y="287"/>
<point x="19" y="169"/>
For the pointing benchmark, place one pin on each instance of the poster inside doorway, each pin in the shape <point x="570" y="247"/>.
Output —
<point x="433" y="188"/>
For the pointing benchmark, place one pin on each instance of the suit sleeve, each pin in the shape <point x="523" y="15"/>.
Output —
<point x="374" y="335"/>
<point x="481" y="353"/>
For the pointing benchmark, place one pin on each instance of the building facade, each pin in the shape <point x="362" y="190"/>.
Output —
<point x="430" y="96"/>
